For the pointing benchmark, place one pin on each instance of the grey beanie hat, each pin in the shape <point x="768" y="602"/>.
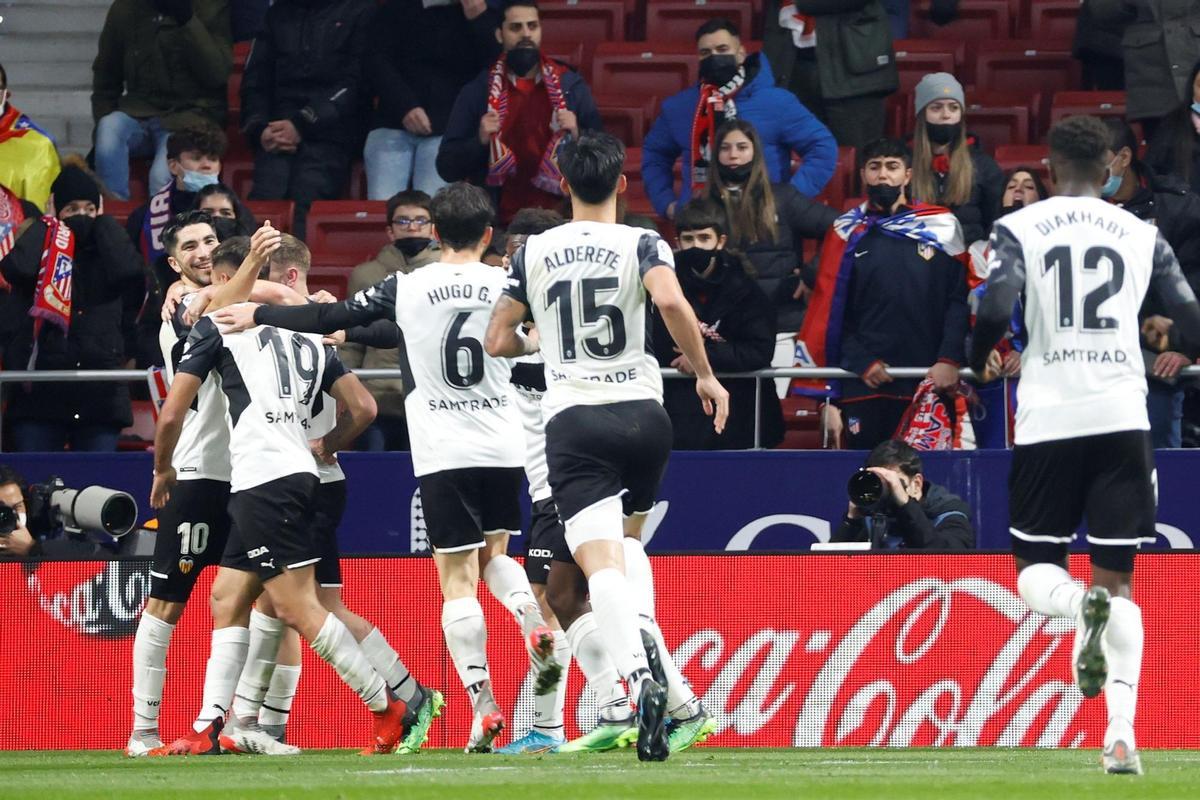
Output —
<point x="937" y="86"/>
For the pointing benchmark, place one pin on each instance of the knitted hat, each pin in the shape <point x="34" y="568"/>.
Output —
<point x="74" y="184"/>
<point x="937" y="86"/>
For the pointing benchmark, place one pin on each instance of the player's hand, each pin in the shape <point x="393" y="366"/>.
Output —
<point x="417" y="122"/>
<point x="944" y="377"/>
<point x="236" y="318"/>
<point x="1168" y="364"/>
<point x="715" y="400"/>
<point x="533" y="340"/>
<point x="199" y="304"/>
<point x="683" y="363"/>
<point x="264" y="241"/>
<point x="164" y="483"/>
<point x="335" y="339"/>
<point x="489" y="125"/>
<point x="876" y="375"/>
<point x="320" y="453"/>
<point x="175" y="293"/>
<point x="896" y="487"/>
<point x="322" y="296"/>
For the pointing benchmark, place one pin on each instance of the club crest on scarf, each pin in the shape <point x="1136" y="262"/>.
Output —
<point x="501" y="161"/>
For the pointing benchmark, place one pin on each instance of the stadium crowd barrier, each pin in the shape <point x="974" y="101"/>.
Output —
<point x="787" y="650"/>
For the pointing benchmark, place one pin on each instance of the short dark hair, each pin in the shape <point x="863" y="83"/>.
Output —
<point x="532" y="221"/>
<point x="701" y="213"/>
<point x="231" y="252"/>
<point x="507" y="4"/>
<point x="1077" y="145"/>
<point x="409" y="197"/>
<point x="895" y="453"/>
<point x="170" y="235"/>
<point x="884" y="147"/>
<point x="719" y="24"/>
<point x="592" y="165"/>
<point x="462" y="212"/>
<point x="8" y="474"/>
<point x="1038" y="183"/>
<point x="1120" y="135"/>
<point x="219" y="189"/>
<point x="207" y="140"/>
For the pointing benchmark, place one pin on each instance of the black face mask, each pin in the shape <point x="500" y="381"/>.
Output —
<point x="690" y="263"/>
<point x="943" y="133"/>
<point x="81" y="225"/>
<point x="735" y="176"/>
<point x="522" y="59"/>
<point x="718" y="69"/>
<point x="227" y="228"/>
<point x="411" y="246"/>
<point x="884" y="196"/>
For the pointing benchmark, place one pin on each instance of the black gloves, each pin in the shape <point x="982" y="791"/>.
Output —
<point x="181" y="10"/>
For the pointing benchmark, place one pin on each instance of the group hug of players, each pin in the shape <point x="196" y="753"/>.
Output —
<point x="543" y="371"/>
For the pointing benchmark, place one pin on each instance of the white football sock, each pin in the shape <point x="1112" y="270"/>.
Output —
<point x="336" y="646"/>
<point x="466" y="639"/>
<point x="277" y="705"/>
<point x="149" y="670"/>
<point x="681" y="700"/>
<point x="265" y="636"/>
<point x="1050" y="590"/>
<point x="225" y="660"/>
<point x="598" y="668"/>
<point x="509" y="584"/>
<point x="388" y="664"/>
<point x="617" y="623"/>
<point x="548" y="708"/>
<point x="1123" y="642"/>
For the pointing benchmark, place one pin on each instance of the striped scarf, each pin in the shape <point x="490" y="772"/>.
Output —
<point x="501" y="161"/>
<point x="715" y="106"/>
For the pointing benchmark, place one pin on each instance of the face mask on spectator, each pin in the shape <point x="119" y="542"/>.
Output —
<point x="691" y="263"/>
<point x="943" y="132"/>
<point x="522" y="59"/>
<point x="227" y="228"/>
<point x="735" y="174"/>
<point x="81" y="225"/>
<point x="718" y="69"/>
<point x="883" y="195"/>
<point x="1113" y="184"/>
<point x="412" y="245"/>
<point x="195" y="181"/>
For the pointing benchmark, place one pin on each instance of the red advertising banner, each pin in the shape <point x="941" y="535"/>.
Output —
<point x="804" y="650"/>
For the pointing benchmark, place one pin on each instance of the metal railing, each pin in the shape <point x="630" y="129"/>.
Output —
<point x="818" y="373"/>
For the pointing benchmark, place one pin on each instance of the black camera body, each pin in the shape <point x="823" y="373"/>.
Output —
<point x="8" y="520"/>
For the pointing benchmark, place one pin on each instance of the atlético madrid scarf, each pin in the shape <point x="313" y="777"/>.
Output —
<point x="501" y="161"/>
<point x="819" y="342"/>
<point x="52" y="292"/>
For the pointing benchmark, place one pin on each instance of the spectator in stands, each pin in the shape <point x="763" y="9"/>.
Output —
<point x="738" y="325"/>
<point x="768" y="222"/>
<point x="15" y="216"/>
<point x="230" y="216"/>
<point x="409" y="247"/>
<point x="1097" y="46"/>
<point x="28" y="158"/>
<point x="1166" y="202"/>
<point x="1175" y="146"/>
<point x="507" y="123"/>
<point x="79" y="322"/>
<point x="949" y="169"/>
<point x="891" y="291"/>
<point x="304" y="100"/>
<point x="836" y="56"/>
<point x="1160" y="46"/>
<point x="19" y="542"/>
<point x="421" y="56"/>
<point x="163" y="65"/>
<point x="733" y="85"/>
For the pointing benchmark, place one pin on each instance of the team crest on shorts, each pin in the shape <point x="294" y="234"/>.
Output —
<point x="926" y="251"/>
<point x="186" y="564"/>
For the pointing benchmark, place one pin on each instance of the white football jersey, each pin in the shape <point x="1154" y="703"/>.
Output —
<point x="583" y="285"/>
<point x="322" y="423"/>
<point x="203" y="448"/>
<point x="458" y="401"/>
<point x="276" y="381"/>
<point x="1085" y="266"/>
<point x="529" y="385"/>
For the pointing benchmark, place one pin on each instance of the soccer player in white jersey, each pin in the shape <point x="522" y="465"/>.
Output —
<point x="607" y="436"/>
<point x="467" y="443"/>
<point x="1083" y="267"/>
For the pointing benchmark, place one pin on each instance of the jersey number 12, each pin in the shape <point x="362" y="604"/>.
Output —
<point x="1060" y="258"/>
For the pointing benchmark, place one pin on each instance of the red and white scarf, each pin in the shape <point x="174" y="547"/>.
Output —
<point x="716" y="106"/>
<point x="11" y="215"/>
<point x="802" y="26"/>
<point x="52" y="292"/>
<point x="501" y="162"/>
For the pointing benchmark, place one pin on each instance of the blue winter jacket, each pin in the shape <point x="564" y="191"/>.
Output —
<point x="782" y="122"/>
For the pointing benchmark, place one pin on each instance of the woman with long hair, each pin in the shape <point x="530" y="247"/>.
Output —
<point x="948" y="168"/>
<point x="768" y="222"/>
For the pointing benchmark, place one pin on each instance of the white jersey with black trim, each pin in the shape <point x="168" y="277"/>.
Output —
<point x="529" y="385"/>
<point x="583" y="285"/>
<point x="322" y="423"/>
<point x="1085" y="266"/>
<point x="203" y="449"/>
<point x="277" y="382"/>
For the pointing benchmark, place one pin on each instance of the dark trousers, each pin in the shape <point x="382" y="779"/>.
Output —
<point x="854" y="121"/>
<point x="1102" y="73"/>
<point x="316" y="171"/>
<point x="869" y="422"/>
<point x="385" y="433"/>
<point x="33" y="436"/>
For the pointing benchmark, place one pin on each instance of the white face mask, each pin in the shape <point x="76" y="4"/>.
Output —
<point x="21" y="519"/>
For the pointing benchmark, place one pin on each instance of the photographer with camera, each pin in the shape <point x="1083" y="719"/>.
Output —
<point x="49" y="520"/>
<point x="893" y="506"/>
<point x="15" y="539"/>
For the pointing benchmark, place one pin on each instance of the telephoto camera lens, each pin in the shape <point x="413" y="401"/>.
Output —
<point x="867" y="490"/>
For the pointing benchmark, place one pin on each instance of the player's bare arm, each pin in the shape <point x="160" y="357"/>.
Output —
<point x="184" y="389"/>
<point x="681" y="321"/>
<point x="356" y="410"/>
<point x="374" y="303"/>
<point x="504" y="339"/>
<point x="263" y="243"/>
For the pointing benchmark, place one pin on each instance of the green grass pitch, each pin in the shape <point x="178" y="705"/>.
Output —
<point x="839" y="774"/>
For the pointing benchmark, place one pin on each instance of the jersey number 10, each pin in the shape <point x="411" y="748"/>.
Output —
<point x="1060" y="258"/>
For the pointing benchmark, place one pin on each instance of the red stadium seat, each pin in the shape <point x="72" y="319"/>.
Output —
<point x="334" y="280"/>
<point x="140" y="435"/>
<point x="802" y="424"/>
<point x="977" y="20"/>
<point x="1053" y="19"/>
<point x="1097" y="104"/>
<point x="1000" y="118"/>
<point x="120" y="209"/>
<point x="1046" y="66"/>
<point x="233" y="92"/>
<point x="241" y="51"/>
<point x="898" y="112"/>
<point x="638" y="69"/>
<point x="280" y="212"/>
<point x="635" y="194"/>
<point x="916" y="58"/>
<point x="844" y="182"/>
<point x="358" y="182"/>
<point x="677" y="20"/>
<point x="627" y="118"/>
<point x="1024" y="155"/>
<point x="353" y="227"/>
<point x="571" y="54"/>
<point x="570" y="22"/>
<point x="238" y="174"/>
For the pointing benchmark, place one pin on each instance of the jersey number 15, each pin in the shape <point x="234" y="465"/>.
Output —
<point x="560" y="294"/>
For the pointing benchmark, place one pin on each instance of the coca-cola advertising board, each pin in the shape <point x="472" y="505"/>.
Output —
<point x="793" y="650"/>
